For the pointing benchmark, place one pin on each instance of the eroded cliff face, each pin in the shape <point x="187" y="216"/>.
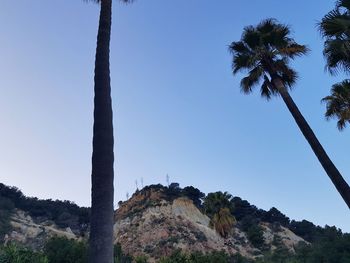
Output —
<point x="150" y="225"/>
<point x="154" y="224"/>
<point x="27" y="232"/>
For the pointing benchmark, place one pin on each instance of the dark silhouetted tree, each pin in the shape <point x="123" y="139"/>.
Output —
<point x="265" y="51"/>
<point x="102" y="176"/>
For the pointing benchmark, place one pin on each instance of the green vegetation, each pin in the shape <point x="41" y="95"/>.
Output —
<point x="334" y="27"/>
<point x="63" y="250"/>
<point x="63" y="213"/>
<point x="223" y="222"/>
<point x="332" y="247"/>
<point x="6" y="209"/>
<point x="197" y="257"/>
<point x="175" y="191"/>
<point x="326" y="243"/>
<point x="14" y="254"/>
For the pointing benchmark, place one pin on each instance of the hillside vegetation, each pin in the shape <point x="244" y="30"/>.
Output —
<point x="188" y="226"/>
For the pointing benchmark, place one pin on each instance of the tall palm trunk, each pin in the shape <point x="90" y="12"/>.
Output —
<point x="332" y="171"/>
<point x="101" y="232"/>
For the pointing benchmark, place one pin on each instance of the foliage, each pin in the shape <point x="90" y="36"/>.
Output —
<point x="213" y="202"/>
<point x="119" y="256"/>
<point x="194" y="194"/>
<point x="6" y="209"/>
<point x="275" y="216"/>
<point x="338" y="103"/>
<point x="335" y="28"/>
<point x="264" y="52"/>
<point x="198" y="257"/>
<point x="63" y="213"/>
<point x="255" y="235"/>
<point x="63" y="250"/>
<point x="223" y="222"/>
<point x="141" y="259"/>
<point x="243" y="208"/>
<point x="14" y="254"/>
<point x="175" y="191"/>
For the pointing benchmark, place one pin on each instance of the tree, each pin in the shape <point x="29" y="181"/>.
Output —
<point x="335" y="28"/>
<point x="213" y="202"/>
<point x="223" y="222"/>
<point x="338" y="103"/>
<point x="265" y="52"/>
<point x="102" y="176"/>
<point x="275" y="216"/>
<point x="64" y="250"/>
<point x="194" y="194"/>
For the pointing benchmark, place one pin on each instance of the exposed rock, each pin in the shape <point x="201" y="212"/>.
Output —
<point x="154" y="224"/>
<point x="25" y="231"/>
<point x="147" y="224"/>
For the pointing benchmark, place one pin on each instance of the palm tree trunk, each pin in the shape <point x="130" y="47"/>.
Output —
<point x="102" y="191"/>
<point x="332" y="171"/>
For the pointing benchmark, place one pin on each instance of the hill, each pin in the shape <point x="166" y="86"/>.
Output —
<point x="159" y="221"/>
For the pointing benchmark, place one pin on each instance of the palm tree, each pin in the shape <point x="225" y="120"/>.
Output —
<point x="213" y="202"/>
<point x="338" y="103"/>
<point x="335" y="28"/>
<point x="264" y="52"/>
<point x="223" y="222"/>
<point x="102" y="176"/>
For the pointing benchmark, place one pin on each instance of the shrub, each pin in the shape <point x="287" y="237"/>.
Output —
<point x="14" y="254"/>
<point x="255" y="235"/>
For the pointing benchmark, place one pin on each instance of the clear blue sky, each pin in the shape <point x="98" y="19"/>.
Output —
<point x="177" y="107"/>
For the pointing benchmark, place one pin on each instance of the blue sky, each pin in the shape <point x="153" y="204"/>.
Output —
<point x="177" y="108"/>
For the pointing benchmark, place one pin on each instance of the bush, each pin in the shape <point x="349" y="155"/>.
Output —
<point x="14" y="254"/>
<point x="63" y="250"/>
<point x="255" y="235"/>
<point x="6" y="209"/>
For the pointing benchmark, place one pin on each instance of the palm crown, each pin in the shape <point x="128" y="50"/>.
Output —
<point x="335" y="28"/>
<point x="338" y="103"/>
<point x="264" y="52"/>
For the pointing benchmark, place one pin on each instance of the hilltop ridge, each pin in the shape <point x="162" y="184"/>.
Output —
<point x="157" y="221"/>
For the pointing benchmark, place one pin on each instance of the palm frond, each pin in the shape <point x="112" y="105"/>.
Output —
<point x="287" y="74"/>
<point x="337" y="55"/>
<point x="265" y="50"/>
<point x="251" y="37"/>
<point x="334" y="24"/>
<point x="294" y="50"/>
<point x="338" y="104"/>
<point x="253" y="79"/>
<point x="343" y="3"/>
<point x="265" y="90"/>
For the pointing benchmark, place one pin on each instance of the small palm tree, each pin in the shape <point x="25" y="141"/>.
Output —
<point x="223" y="221"/>
<point x="102" y="176"/>
<point x="335" y="28"/>
<point x="264" y="51"/>
<point x="213" y="202"/>
<point x="338" y="103"/>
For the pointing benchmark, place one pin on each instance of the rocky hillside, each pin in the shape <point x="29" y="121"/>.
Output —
<point x="149" y="224"/>
<point x="158" y="220"/>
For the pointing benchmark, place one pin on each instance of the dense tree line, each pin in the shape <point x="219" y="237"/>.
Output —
<point x="63" y="213"/>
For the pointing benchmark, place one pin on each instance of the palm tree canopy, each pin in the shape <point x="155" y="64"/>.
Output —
<point x="335" y="28"/>
<point x="264" y="51"/>
<point x="338" y="103"/>
<point x="223" y="222"/>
